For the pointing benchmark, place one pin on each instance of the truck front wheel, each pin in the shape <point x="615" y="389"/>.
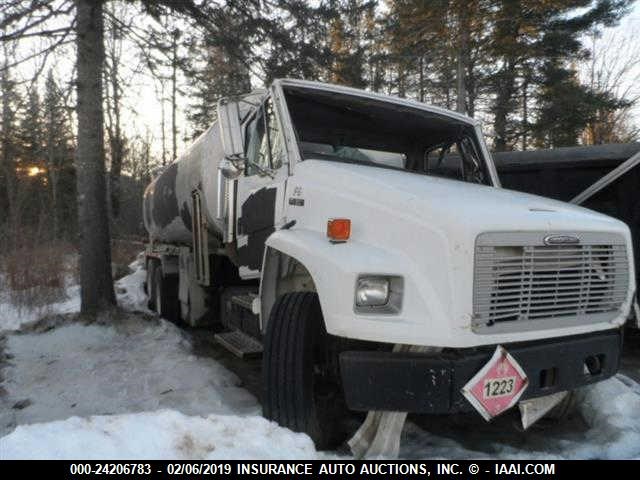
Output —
<point x="302" y="390"/>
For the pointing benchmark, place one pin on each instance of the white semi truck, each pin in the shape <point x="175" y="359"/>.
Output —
<point x="362" y="244"/>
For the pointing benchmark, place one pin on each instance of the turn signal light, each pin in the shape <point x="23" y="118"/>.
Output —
<point x="339" y="229"/>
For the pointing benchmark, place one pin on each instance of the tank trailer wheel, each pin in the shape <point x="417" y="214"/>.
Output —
<point x="165" y="295"/>
<point x="151" y="282"/>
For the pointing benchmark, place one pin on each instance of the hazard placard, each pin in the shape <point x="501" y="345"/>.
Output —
<point x="497" y="386"/>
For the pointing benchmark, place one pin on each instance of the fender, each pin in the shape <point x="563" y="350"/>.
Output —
<point x="334" y="269"/>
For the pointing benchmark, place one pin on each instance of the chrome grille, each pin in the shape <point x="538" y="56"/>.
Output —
<point x="519" y="279"/>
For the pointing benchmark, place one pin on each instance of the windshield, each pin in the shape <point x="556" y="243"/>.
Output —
<point x="345" y="128"/>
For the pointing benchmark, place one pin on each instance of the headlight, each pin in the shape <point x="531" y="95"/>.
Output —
<point x="378" y="294"/>
<point x="372" y="291"/>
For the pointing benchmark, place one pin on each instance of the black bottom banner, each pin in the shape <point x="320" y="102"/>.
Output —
<point x="176" y="469"/>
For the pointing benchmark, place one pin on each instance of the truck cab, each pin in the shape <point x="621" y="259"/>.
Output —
<point x="363" y="245"/>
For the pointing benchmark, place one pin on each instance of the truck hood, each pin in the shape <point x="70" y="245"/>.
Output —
<point x="451" y="203"/>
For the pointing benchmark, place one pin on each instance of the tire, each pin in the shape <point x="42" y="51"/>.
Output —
<point x="165" y="295"/>
<point x="151" y="282"/>
<point x="302" y="390"/>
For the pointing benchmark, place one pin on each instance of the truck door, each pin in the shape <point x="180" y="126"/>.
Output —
<point x="260" y="190"/>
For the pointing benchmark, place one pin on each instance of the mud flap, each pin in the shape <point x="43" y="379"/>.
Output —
<point x="534" y="409"/>
<point x="379" y="435"/>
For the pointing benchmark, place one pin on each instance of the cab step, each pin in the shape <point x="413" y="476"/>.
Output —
<point x="248" y="301"/>
<point x="239" y="343"/>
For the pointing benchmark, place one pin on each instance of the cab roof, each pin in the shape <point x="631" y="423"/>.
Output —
<point x="329" y="87"/>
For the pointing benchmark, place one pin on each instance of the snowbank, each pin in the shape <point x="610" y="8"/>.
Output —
<point x="12" y="317"/>
<point x="611" y="409"/>
<point x="161" y="434"/>
<point x="137" y="364"/>
<point x="129" y="289"/>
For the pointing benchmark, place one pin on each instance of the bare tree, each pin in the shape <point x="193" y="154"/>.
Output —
<point x="613" y="69"/>
<point x="175" y="62"/>
<point x="160" y="95"/>
<point x="113" y="92"/>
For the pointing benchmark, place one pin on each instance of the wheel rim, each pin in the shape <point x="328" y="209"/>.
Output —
<point x="185" y="311"/>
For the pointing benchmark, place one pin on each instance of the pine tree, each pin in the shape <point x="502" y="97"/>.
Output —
<point x="528" y="38"/>
<point x="9" y="147"/>
<point x="296" y="41"/>
<point x="220" y="75"/>
<point x="439" y="50"/>
<point x="31" y="164"/>
<point x="346" y="42"/>
<point x="565" y="107"/>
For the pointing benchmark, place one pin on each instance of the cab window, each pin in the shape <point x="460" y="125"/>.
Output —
<point x="264" y="146"/>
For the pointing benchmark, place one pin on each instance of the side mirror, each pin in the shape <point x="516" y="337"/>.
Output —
<point x="230" y="169"/>
<point x="230" y="128"/>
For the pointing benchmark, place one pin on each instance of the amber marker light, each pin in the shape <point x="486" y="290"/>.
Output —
<point x="339" y="229"/>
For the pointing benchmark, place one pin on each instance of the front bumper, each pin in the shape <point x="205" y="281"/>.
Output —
<point x="421" y="383"/>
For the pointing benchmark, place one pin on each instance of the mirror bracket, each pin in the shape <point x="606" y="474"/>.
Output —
<point x="231" y="167"/>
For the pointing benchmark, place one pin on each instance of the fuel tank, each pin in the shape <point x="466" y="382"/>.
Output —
<point x="168" y="199"/>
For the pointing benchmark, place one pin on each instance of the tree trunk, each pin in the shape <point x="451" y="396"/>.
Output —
<point x="502" y="107"/>
<point x="52" y="171"/>
<point x="174" y="68"/>
<point x="506" y="40"/>
<point x="8" y="147"/>
<point x="461" y="91"/>
<point x="421" y="77"/>
<point x="117" y="150"/>
<point x="462" y="58"/>
<point x="525" y="114"/>
<point x="472" y="93"/>
<point x="402" y="90"/>
<point x="96" y="284"/>
<point x="162" y="125"/>
<point x="116" y="142"/>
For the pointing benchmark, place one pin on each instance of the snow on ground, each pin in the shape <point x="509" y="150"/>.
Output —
<point x="133" y="366"/>
<point x="607" y="427"/>
<point x="132" y="387"/>
<point x="13" y="317"/>
<point x="152" y="435"/>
